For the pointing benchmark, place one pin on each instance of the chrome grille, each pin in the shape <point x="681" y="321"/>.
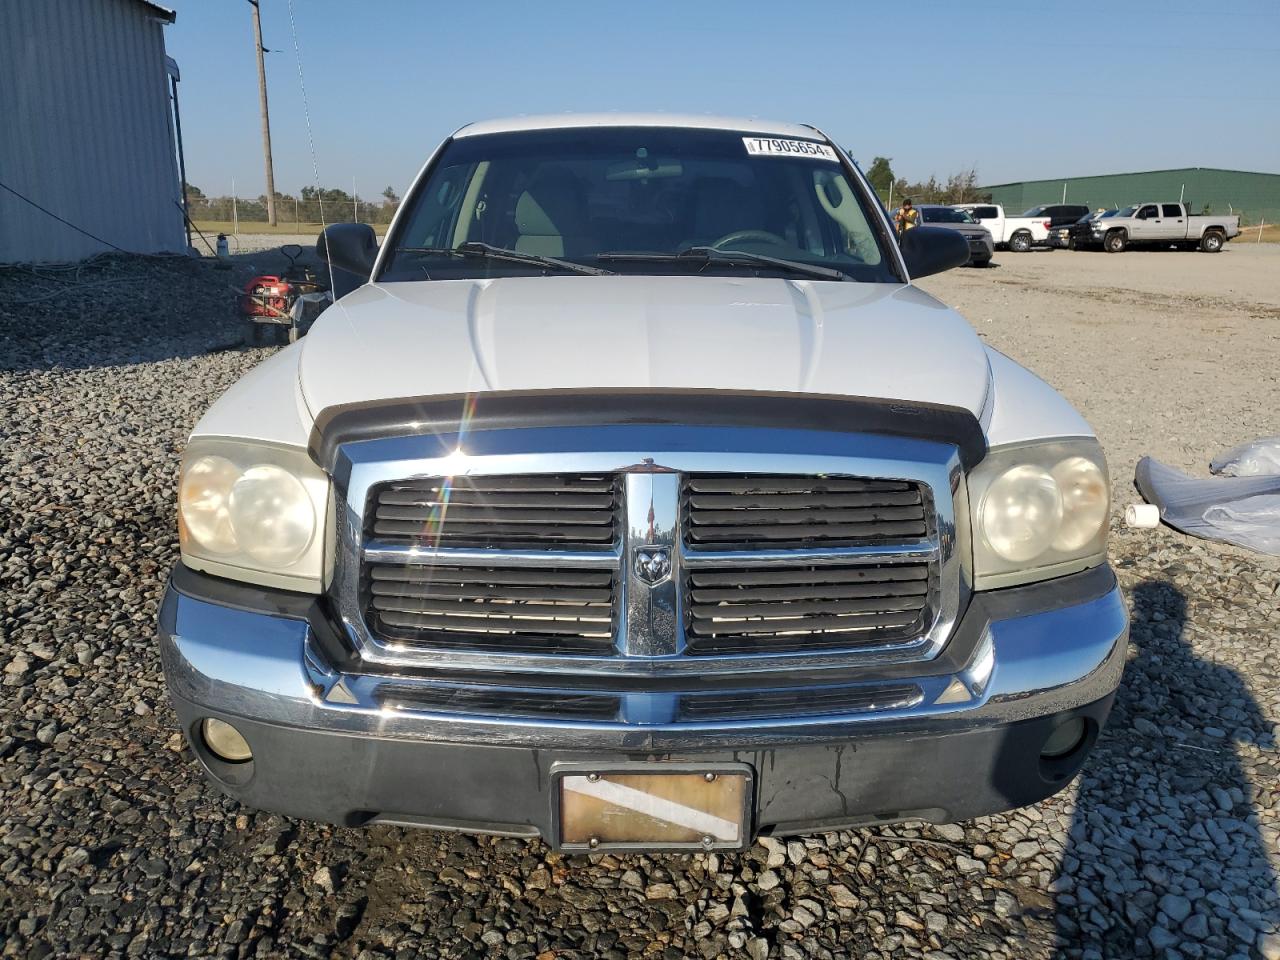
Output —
<point x="751" y="512"/>
<point x="567" y="511"/>
<point x="783" y="553"/>
<point x="780" y="608"/>
<point x="493" y="607"/>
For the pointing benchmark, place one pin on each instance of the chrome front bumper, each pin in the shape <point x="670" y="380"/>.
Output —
<point x="325" y="750"/>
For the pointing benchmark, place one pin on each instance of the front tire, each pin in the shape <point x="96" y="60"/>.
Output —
<point x="1116" y="242"/>
<point x="1020" y="242"/>
<point x="1212" y="242"/>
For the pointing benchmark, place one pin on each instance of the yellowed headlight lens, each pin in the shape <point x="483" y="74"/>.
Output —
<point x="1021" y="513"/>
<point x="204" y="499"/>
<point x="1085" y="500"/>
<point x="272" y="515"/>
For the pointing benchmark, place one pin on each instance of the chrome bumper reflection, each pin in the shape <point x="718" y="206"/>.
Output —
<point x="267" y="668"/>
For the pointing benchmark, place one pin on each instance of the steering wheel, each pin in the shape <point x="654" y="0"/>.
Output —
<point x="763" y="235"/>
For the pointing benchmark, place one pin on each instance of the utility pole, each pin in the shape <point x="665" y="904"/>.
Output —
<point x="266" y="122"/>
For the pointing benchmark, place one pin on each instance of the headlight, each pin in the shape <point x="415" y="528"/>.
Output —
<point x="1039" y="510"/>
<point x="254" y="512"/>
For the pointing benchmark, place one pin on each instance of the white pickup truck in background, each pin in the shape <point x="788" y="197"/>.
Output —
<point x="1164" y="224"/>
<point x="1018" y="234"/>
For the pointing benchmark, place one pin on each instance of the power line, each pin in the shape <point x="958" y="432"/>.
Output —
<point x="311" y="140"/>
<point x="50" y="213"/>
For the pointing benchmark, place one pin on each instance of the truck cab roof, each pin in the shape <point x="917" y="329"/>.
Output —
<point x="561" y="121"/>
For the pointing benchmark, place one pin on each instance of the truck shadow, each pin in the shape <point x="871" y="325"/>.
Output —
<point x="1165" y="855"/>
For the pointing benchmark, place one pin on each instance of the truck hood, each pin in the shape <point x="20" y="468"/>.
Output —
<point x="414" y="339"/>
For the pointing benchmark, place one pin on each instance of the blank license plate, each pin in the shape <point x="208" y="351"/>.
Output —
<point x="698" y="809"/>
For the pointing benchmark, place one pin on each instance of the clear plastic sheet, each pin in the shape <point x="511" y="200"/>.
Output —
<point x="1258" y="458"/>
<point x="1244" y="510"/>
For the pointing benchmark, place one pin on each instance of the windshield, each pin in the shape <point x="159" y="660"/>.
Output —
<point x="636" y="200"/>
<point x="1035" y="212"/>
<point x="946" y="215"/>
<point x="1127" y="211"/>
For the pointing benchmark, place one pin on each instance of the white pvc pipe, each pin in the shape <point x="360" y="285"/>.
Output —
<point x="1142" y="516"/>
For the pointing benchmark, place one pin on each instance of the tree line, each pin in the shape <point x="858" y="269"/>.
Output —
<point x="960" y="187"/>
<point x="337" y="205"/>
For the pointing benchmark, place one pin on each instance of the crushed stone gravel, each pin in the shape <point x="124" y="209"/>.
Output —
<point x="112" y="844"/>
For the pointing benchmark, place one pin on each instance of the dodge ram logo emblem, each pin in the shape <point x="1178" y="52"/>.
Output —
<point x="653" y="564"/>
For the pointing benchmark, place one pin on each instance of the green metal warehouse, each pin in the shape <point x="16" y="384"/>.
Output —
<point x="1255" y="196"/>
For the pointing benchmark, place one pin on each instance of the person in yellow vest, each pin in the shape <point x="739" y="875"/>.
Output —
<point x="906" y="217"/>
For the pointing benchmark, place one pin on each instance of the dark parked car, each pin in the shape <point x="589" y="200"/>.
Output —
<point x="1058" y="214"/>
<point x="1078" y="235"/>
<point x="981" y="246"/>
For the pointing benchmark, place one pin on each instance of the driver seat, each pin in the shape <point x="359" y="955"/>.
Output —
<point x="551" y="215"/>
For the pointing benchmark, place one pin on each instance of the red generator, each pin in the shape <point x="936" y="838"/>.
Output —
<point x="266" y="296"/>
<point x="267" y="304"/>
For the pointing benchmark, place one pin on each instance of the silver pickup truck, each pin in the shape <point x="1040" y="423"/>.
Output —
<point x="1164" y="224"/>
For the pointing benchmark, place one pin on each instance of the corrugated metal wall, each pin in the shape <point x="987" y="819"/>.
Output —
<point x="85" y="130"/>
<point x="1253" y="195"/>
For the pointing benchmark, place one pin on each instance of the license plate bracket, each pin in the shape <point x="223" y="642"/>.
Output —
<point x="662" y="805"/>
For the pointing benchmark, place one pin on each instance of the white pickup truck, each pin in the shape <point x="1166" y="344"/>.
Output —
<point x="1164" y="225"/>
<point x="1018" y="234"/>
<point x="640" y="500"/>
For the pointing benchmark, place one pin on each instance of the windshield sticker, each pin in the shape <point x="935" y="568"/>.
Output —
<point x="768" y="147"/>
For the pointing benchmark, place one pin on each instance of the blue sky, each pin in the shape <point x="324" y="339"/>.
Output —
<point x="1017" y="90"/>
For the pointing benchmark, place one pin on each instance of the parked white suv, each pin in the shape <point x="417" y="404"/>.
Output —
<point x="639" y="500"/>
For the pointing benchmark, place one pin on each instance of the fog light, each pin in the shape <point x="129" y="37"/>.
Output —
<point x="1064" y="739"/>
<point x="225" y="741"/>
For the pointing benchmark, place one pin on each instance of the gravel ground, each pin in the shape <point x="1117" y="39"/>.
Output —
<point x="112" y="844"/>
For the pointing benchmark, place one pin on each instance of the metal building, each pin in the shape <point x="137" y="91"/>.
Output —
<point x="86" y="130"/>
<point x="1255" y="196"/>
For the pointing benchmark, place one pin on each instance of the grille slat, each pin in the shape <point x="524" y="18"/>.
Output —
<point x="569" y="511"/>
<point x="812" y="515"/>
<point x="729" y="613"/>
<point x="501" y="701"/>
<point x="769" y="576"/>
<point x="489" y="625"/>
<point x="510" y="498"/>
<point x="831" y="534"/>
<point x="499" y="514"/>
<point x="810" y="625"/>
<point x="735" y="501"/>
<point x="911" y="588"/>
<point x="485" y="592"/>
<point x="497" y="535"/>
<point x="489" y="611"/>
<point x="489" y="575"/>
<point x="810" y="701"/>
<point x="752" y="512"/>
<point x="756" y="484"/>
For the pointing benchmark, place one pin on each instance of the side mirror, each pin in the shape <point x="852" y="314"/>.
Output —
<point x="929" y="250"/>
<point x="348" y="246"/>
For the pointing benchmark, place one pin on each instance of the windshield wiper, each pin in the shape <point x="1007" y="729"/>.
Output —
<point x="712" y="255"/>
<point x="487" y="251"/>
